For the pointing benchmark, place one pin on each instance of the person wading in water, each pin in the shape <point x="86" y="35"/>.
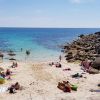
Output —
<point x="27" y="52"/>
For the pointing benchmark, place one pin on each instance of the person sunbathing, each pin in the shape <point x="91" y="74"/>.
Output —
<point x="58" y="65"/>
<point x="17" y="86"/>
<point x="3" y="74"/>
<point x="14" y="64"/>
<point x="11" y="89"/>
<point x="14" y="87"/>
<point x="8" y="74"/>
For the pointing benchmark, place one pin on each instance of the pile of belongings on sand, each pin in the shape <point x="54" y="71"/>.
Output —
<point x="66" y="86"/>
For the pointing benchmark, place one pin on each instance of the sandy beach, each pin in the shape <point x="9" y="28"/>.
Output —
<point x="49" y="50"/>
<point x="40" y="81"/>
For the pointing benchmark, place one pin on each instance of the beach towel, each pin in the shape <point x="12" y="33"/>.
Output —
<point x="2" y="80"/>
<point x="94" y="90"/>
<point x="74" y="87"/>
<point x="3" y="89"/>
<point x="67" y="69"/>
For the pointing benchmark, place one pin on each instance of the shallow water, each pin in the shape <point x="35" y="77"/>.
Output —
<point x="42" y="42"/>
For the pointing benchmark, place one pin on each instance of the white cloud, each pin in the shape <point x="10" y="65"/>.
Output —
<point x="81" y="1"/>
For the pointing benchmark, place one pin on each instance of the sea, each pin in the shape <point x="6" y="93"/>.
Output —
<point x="43" y="43"/>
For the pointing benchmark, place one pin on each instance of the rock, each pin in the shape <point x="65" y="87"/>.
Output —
<point x="96" y="63"/>
<point x="93" y="71"/>
<point x="98" y="33"/>
<point x="87" y="46"/>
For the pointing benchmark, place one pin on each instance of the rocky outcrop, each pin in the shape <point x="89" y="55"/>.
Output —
<point x="86" y="46"/>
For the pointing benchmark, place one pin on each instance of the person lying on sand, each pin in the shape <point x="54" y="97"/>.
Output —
<point x="56" y="64"/>
<point x="2" y="74"/>
<point x="8" y="74"/>
<point x="14" y="65"/>
<point x="17" y="86"/>
<point x="51" y="64"/>
<point x="11" y="89"/>
<point x="14" y="87"/>
<point x="67" y="69"/>
<point x="92" y="90"/>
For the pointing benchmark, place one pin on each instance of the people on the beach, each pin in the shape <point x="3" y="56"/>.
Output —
<point x="21" y="49"/>
<point x="17" y="86"/>
<point x="2" y="74"/>
<point x="60" y="58"/>
<point x="1" y="56"/>
<point x="56" y="64"/>
<point x="51" y="64"/>
<point x="11" y="89"/>
<point x="14" y="65"/>
<point x="14" y="87"/>
<point x="27" y="52"/>
<point x="8" y="74"/>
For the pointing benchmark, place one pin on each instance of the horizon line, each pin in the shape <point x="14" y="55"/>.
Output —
<point x="45" y="27"/>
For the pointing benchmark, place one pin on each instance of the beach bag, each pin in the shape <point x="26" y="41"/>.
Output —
<point x="2" y="80"/>
<point x="74" y="87"/>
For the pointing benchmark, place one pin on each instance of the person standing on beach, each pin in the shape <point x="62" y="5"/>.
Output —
<point x="60" y="58"/>
<point x="1" y="56"/>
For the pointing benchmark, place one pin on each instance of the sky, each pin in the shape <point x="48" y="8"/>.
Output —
<point x="50" y="13"/>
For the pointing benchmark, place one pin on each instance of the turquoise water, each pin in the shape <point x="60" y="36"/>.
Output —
<point x="42" y="42"/>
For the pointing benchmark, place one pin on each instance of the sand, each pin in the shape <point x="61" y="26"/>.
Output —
<point x="40" y="82"/>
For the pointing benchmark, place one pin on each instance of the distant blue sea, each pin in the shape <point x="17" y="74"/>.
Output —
<point x="42" y="42"/>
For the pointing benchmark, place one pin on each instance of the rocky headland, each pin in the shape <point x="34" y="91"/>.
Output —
<point x="86" y="46"/>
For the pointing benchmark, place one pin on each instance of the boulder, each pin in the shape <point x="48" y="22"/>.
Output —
<point x="96" y="63"/>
